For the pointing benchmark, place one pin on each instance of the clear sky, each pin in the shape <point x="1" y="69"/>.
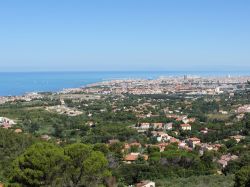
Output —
<point x="166" y="35"/>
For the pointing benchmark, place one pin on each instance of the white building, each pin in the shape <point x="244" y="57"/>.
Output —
<point x="185" y="127"/>
<point x="168" y="126"/>
<point x="145" y="184"/>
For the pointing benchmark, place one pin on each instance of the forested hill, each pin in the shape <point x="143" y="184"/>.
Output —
<point x="11" y="145"/>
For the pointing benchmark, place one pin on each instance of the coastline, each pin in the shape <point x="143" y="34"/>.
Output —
<point x="20" y="83"/>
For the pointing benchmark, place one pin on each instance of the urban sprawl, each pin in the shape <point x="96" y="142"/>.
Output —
<point x="149" y="128"/>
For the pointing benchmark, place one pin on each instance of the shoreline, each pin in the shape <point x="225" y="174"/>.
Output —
<point x="124" y="79"/>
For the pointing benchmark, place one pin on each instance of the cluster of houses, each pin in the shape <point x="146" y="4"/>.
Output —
<point x="62" y="109"/>
<point x="188" y="144"/>
<point x="238" y="138"/>
<point x="143" y="127"/>
<point x="224" y="159"/>
<point x="6" y="123"/>
<point x="164" y="140"/>
<point x="183" y="118"/>
<point x="27" y="97"/>
<point x="243" y="109"/>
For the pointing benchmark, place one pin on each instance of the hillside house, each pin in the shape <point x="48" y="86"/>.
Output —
<point x="185" y="127"/>
<point x="168" y="126"/>
<point x="145" y="184"/>
<point x="192" y="142"/>
<point x="132" y="157"/>
<point x="225" y="159"/>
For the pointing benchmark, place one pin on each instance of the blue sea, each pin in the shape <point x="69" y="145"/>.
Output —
<point x="19" y="83"/>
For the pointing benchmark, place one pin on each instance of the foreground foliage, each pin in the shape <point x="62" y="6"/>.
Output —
<point x="44" y="164"/>
<point x="242" y="177"/>
<point x="11" y="145"/>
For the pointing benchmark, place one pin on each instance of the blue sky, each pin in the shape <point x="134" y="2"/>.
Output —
<point x="96" y="35"/>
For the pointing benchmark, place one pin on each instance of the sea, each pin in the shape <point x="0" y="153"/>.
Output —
<point x="19" y="83"/>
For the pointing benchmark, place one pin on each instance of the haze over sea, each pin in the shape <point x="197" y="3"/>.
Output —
<point x="18" y="83"/>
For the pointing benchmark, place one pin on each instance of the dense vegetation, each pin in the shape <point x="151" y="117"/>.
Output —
<point x="11" y="146"/>
<point x="45" y="164"/>
<point x="79" y="154"/>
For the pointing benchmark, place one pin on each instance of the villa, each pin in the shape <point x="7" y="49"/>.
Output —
<point x="185" y="127"/>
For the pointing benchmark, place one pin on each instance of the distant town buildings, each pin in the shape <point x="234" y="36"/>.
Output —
<point x="244" y="109"/>
<point x="6" y="123"/>
<point x="62" y="109"/>
<point x="190" y="85"/>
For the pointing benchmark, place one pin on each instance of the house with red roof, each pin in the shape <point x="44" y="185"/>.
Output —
<point x="132" y="157"/>
<point x="193" y="141"/>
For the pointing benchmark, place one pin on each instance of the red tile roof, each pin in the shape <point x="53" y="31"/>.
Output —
<point x="185" y="125"/>
<point x="131" y="157"/>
